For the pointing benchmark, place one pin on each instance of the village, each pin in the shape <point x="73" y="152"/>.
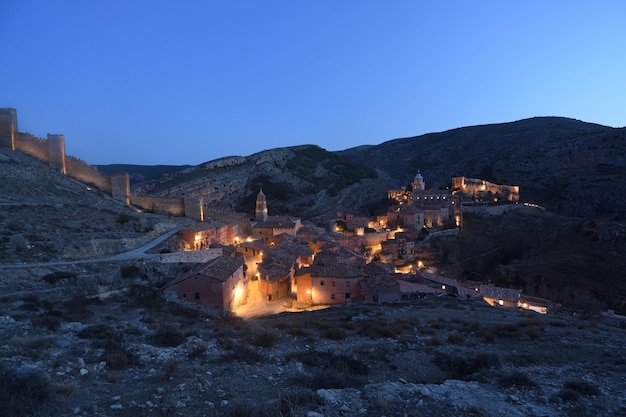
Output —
<point x="280" y="263"/>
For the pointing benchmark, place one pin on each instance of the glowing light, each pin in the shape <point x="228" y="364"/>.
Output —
<point x="308" y="292"/>
<point x="420" y="264"/>
<point x="443" y="287"/>
<point x="501" y="302"/>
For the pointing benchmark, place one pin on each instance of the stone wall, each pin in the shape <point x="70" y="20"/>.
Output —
<point x="88" y="174"/>
<point x="473" y="186"/>
<point x="56" y="152"/>
<point x="52" y="152"/>
<point x="32" y="145"/>
<point x="8" y="127"/>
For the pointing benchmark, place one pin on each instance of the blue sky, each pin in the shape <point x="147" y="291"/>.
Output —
<point x="163" y="82"/>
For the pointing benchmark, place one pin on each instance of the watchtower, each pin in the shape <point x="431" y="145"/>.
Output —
<point x="8" y="127"/>
<point x="261" y="207"/>
<point x="56" y="152"/>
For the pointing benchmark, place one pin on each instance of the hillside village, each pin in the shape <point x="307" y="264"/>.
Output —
<point x="353" y="259"/>
<point x="365" y="327"/>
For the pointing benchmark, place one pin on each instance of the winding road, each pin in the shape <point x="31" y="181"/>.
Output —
<point x="139" y="253"/>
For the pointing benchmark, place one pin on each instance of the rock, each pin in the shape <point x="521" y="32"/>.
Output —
<point x="83" y="371"/>
<point x="314" y="414"/>
<point x="223" y="403"/>
<point x="116" y="406"/>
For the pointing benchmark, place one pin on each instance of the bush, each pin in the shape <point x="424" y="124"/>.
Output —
<point x="465" y="367"/>
<point x="23" y="390"/>
<point x="170" y="368"/>
<point x="243" y="353"/>
<point x="516" y="379"/>
<point x="51" y="323"/>
<point x="130" y="271"/>
<point x="456" y="338"/>
<point x="335" y="333"/>
<point x="167" y="337"/>
<point x="581" y="387"/>
<point x="262" y="337"/>
<point x="55" y="277"/>
<point x="117" y="360"/>
<point x="98" y="331"/>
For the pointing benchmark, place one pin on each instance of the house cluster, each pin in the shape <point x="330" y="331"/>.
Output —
<point x="284" y="259"/>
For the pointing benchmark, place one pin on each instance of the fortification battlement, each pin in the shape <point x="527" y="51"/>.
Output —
<point x="52" y="152"/>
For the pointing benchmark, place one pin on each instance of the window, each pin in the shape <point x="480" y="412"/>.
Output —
<point x="333" y="283"/>
<point x="332" y="296"/>
<point x="184" y="295"/>
<point x="347" y="284"/>
<point x="197" y="296"/>
<point x="322" y="283"/>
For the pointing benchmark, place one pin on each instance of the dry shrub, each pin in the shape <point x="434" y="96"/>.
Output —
<point x="455" y="338"/>
<point x="435" y="341"/>
<point x="516" y="379"/>
<point x="23" y="390"/>
<point x="261" y="337"/>
<point x="170" y="368"/>
<point x="64" y="389"/>
<point x="117" y="360"/>
<point x="335" y="333"/>
<point x="167" y="337"/>
<point x="465" y="367"/>
<point x="197" y="350"/>
<point x="377" y="330"/>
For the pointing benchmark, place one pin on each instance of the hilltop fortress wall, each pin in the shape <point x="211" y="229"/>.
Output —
<point x="477" y="187"/>
<point x="52" y="152"/>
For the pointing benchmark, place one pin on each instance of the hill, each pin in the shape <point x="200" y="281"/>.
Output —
<point x="571" y="167"/>
<point x="47" y="216"/>
<point x="307" y="181"/>
<point x="142" y="173"/>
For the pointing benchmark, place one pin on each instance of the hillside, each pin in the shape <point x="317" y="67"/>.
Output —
<point x="569" y="166"/>
<point x="47" y="216"/>
<point x="307" y="181"/>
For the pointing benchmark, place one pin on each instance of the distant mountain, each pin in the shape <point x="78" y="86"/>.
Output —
<point x="571" y="167"/>
<point x="303" y="180"/>
<point x="142" y="173"/>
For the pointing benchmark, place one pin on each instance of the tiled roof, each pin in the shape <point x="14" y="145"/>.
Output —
<point x="376" y="280"/>
<point x="277" y="222"/>
<point x="219" y="269"/>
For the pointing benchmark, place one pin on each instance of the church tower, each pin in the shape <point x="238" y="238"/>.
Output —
<point x="418" y="182"/>
<point x="261" y="207"/>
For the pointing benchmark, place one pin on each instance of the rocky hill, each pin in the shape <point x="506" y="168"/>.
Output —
<point x="305" y="180"/>
<point x="571" y="167"/>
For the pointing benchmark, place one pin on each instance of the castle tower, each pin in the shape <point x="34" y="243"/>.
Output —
<point x="261" y="207"/>
<point x="120" y="187"/>
<point x="194" y="208"/>
<point x="56" y="152"/>
<point x="8" y="127"/>
<point x="418" y="182"/>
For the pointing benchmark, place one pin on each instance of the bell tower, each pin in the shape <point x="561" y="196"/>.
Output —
<point x="261" y="207"/>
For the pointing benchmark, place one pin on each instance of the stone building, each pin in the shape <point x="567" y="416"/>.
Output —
<point x="220" y="283"/>
<point x="268" y="227"/>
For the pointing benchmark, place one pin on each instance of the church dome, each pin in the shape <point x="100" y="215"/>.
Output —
<point x="419" y="177"/>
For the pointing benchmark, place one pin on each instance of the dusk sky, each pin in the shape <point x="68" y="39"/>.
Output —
<point x="184" y="82"/>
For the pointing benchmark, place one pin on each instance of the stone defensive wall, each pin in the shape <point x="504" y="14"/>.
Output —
<point x="52" y="152"/>
<point x="472" y="186"/>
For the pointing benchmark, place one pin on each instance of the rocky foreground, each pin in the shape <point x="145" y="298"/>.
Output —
<point x="138" y="355"/>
